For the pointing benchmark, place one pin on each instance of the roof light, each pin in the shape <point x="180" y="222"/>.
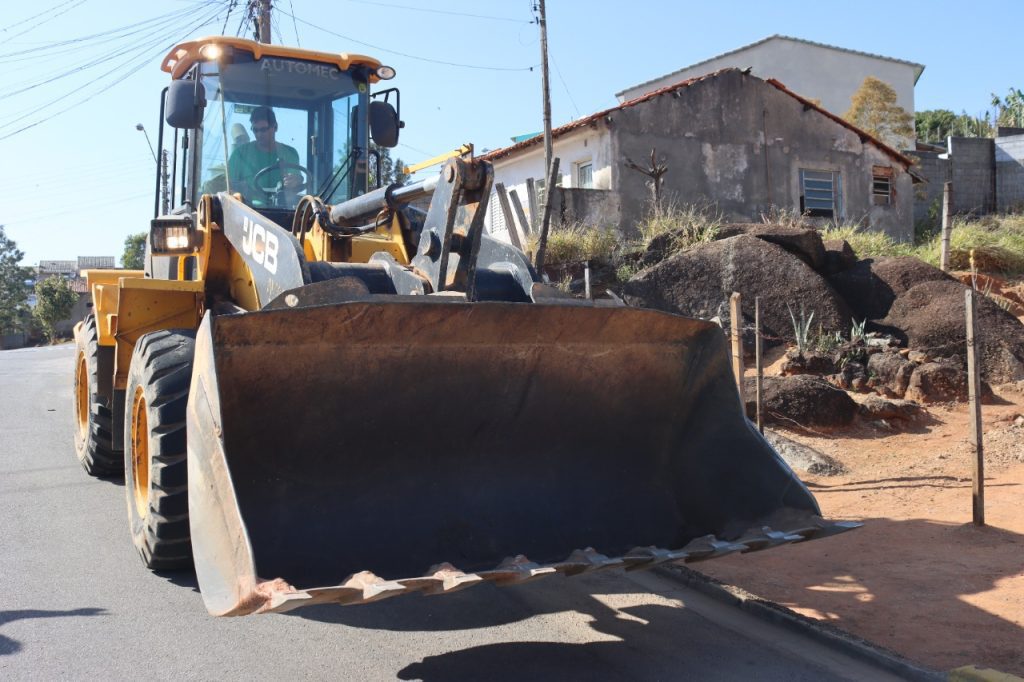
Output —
<point x="385" y="73"/>
<point x="211" y="51"/>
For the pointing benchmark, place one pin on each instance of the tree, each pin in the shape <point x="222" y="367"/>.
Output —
<point x="134" y="257"/>
<point x="13" y="291"/>
<point x="391" y="170"/>
<point x="1010" y="109"/>
<point x="934" y="125"/>
<point x="873" y="109"/>
<point x="54" y="301"/>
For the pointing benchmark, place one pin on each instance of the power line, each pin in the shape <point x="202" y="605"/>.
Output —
<point x="564" y="85"/>
<point x="441" y="11"/>
<point x="409" y="56"/>
<point x="231" y="8"/>
<point x="44" y="21"/>
<point x="294" y="25"/>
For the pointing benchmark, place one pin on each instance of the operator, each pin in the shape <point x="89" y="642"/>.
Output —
<point x="250" y="158"/>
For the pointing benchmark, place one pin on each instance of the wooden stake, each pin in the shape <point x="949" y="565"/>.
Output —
<point x="510" y="222"/>
<point x="947" y="201"/>
<point x="974" y="404"/>
<point x="759" y="364"/>
<point x="518" y="206"/>
<point x="531" y="200"/>
<point x="542" y="247"/>
<point x="736" y="332"/>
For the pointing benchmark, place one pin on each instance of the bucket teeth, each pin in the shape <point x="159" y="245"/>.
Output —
<point x="710" y="547"/>
<point x="443" y="578"/>
<point x="514" y="570"/>
<point x="585" y="561"/>
<point x="359" y="588"/>
<point x="648" y="557"/>
<point x="767" y="538"/>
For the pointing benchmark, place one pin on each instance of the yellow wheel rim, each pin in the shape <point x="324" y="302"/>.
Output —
<point x="82" y="395"/>
<point x="140" y="452"/>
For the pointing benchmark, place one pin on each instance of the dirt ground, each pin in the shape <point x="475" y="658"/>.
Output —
<point x="919" y="578"/>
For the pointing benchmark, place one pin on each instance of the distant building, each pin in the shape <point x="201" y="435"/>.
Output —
<point x="825" y="73"/>
<point x="774" y="150"/>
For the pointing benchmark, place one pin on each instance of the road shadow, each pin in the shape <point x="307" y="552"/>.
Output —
<point x="10" y="646"/>
<point x="907" y="585"/>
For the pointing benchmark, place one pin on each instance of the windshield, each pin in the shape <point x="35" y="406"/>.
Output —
<point x="276" y="129"/>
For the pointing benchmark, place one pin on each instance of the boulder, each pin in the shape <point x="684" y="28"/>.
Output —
<point x="875" y="408"/>
<point x="872" y="285"/>
<point x="839" y="256"/>
<point x="892" y="372"/>
<point x="929" y="318"/>
<point x="698" y="282"/>
<point x="804" y="243"/>
<point x="944" y="381"/>
<point x="803" y="457"/>
<point x="811" y="362"/>
<point x="803" y="401"/>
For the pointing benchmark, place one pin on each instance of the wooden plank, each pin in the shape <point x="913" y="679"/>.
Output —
<point x="523" y="220"/>
<point x="974" y="405"/>
<point x="531" y="202"/>
<point x="736" y="335"/>
<point x="947" y="228"/>
<point x="546" y="222"/>
<point x="506" y="211"/>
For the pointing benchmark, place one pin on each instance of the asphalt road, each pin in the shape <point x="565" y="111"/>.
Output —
<point x="76" y="602"/>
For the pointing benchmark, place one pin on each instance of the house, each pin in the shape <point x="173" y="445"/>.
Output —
<point x="747" y="144"/>
<point x="826" y="74"/>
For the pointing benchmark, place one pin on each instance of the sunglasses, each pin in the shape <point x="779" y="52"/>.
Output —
<point x="262" y="129"/>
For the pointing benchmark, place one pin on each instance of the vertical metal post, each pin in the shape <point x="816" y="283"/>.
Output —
<point x="165" y="176"/>
<point x="586" y="280"/>
<point x="947" y="201"/>
<point x="736" y="334"/>
<point x="974" y="404"/>
<point x="758" y="363"/>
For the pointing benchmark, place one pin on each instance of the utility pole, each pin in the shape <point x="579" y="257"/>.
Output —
<point x="263" y="21"/>
<point x="542" y="20"/>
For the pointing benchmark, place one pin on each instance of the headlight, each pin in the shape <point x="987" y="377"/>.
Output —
<point x="385" y="73"/>
<point x="173" y="236"/>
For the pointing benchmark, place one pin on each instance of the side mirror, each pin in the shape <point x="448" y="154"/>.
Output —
<point x="384" y="124"/>
<point x="185" y="103"/>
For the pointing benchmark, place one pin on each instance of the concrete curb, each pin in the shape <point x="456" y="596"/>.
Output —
<point x="822" y="632"/>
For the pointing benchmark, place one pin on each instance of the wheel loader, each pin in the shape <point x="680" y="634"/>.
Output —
<point x="321" y="389"/>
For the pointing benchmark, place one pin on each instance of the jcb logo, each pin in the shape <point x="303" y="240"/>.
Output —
<point x="260" y="244"/>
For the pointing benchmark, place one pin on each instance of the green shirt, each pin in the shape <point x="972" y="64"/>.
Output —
<point x="248" y="159"/>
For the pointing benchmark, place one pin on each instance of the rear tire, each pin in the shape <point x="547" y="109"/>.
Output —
<point x="156" y="470"/>
<point x="93" y="420"/>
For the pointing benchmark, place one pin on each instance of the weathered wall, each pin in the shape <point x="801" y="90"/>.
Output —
<point x="973" y="174"/>
<point x="713" y="135"/>
<point x="814" y="71"/>
<point x="936" y="169"/>
<point x="597" y="207"/>
<point x="1009" y="157"/>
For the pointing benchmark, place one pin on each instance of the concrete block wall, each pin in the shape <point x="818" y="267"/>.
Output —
<point x="1009" y="157"/>
<point x="928" y="195"/>
<point x="973" y="174"/>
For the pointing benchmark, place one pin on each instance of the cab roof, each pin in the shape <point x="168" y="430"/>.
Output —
<point x="183" y="55"/>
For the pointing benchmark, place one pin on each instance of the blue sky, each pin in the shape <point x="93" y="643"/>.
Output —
<point x="80" y="181"/>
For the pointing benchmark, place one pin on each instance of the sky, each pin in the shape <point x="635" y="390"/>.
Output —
<point x="77" y="177"/>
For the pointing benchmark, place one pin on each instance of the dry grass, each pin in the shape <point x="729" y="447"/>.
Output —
<point x="577" y="243"/>
<point x="690" y="224"/>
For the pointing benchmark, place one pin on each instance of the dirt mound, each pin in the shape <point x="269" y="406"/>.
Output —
<point x="872" y="285"/>
<point x="802" y="242"/>
<point x="929" y="317"/>
<point x="698" y="282"/>
<point x="839" y="256"/>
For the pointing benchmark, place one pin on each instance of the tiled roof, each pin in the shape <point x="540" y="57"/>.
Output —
<point x="918" y="67"/>
<point x="586" y="120"/>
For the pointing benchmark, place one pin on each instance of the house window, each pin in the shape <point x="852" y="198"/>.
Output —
<point x="820" y="193"/>
<point x="585" y="174"/>
<point x="881" y="185"/>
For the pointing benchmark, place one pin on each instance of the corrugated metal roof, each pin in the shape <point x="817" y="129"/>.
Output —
<point x="905" y="161"/>
<point x="918" y="67"/>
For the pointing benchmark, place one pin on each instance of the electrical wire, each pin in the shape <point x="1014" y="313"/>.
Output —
<point x="44" y="21"/>
<point x="440" y="11"/>
<point x="566" y="86"/>
<point x="231" y="8"/>
<point x="294" y="25"/>
<point x="410" y="56"/>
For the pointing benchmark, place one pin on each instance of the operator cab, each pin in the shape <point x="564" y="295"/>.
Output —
<point x="274" y="124"/>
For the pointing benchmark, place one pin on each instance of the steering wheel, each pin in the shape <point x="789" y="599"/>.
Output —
<point x="271" y="192"/>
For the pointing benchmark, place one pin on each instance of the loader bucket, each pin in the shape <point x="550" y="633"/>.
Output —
<point x="350" y="452"/>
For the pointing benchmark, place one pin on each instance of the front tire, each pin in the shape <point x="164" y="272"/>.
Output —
<point x="156" y="470"/>
<point x="93" y="419"/>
